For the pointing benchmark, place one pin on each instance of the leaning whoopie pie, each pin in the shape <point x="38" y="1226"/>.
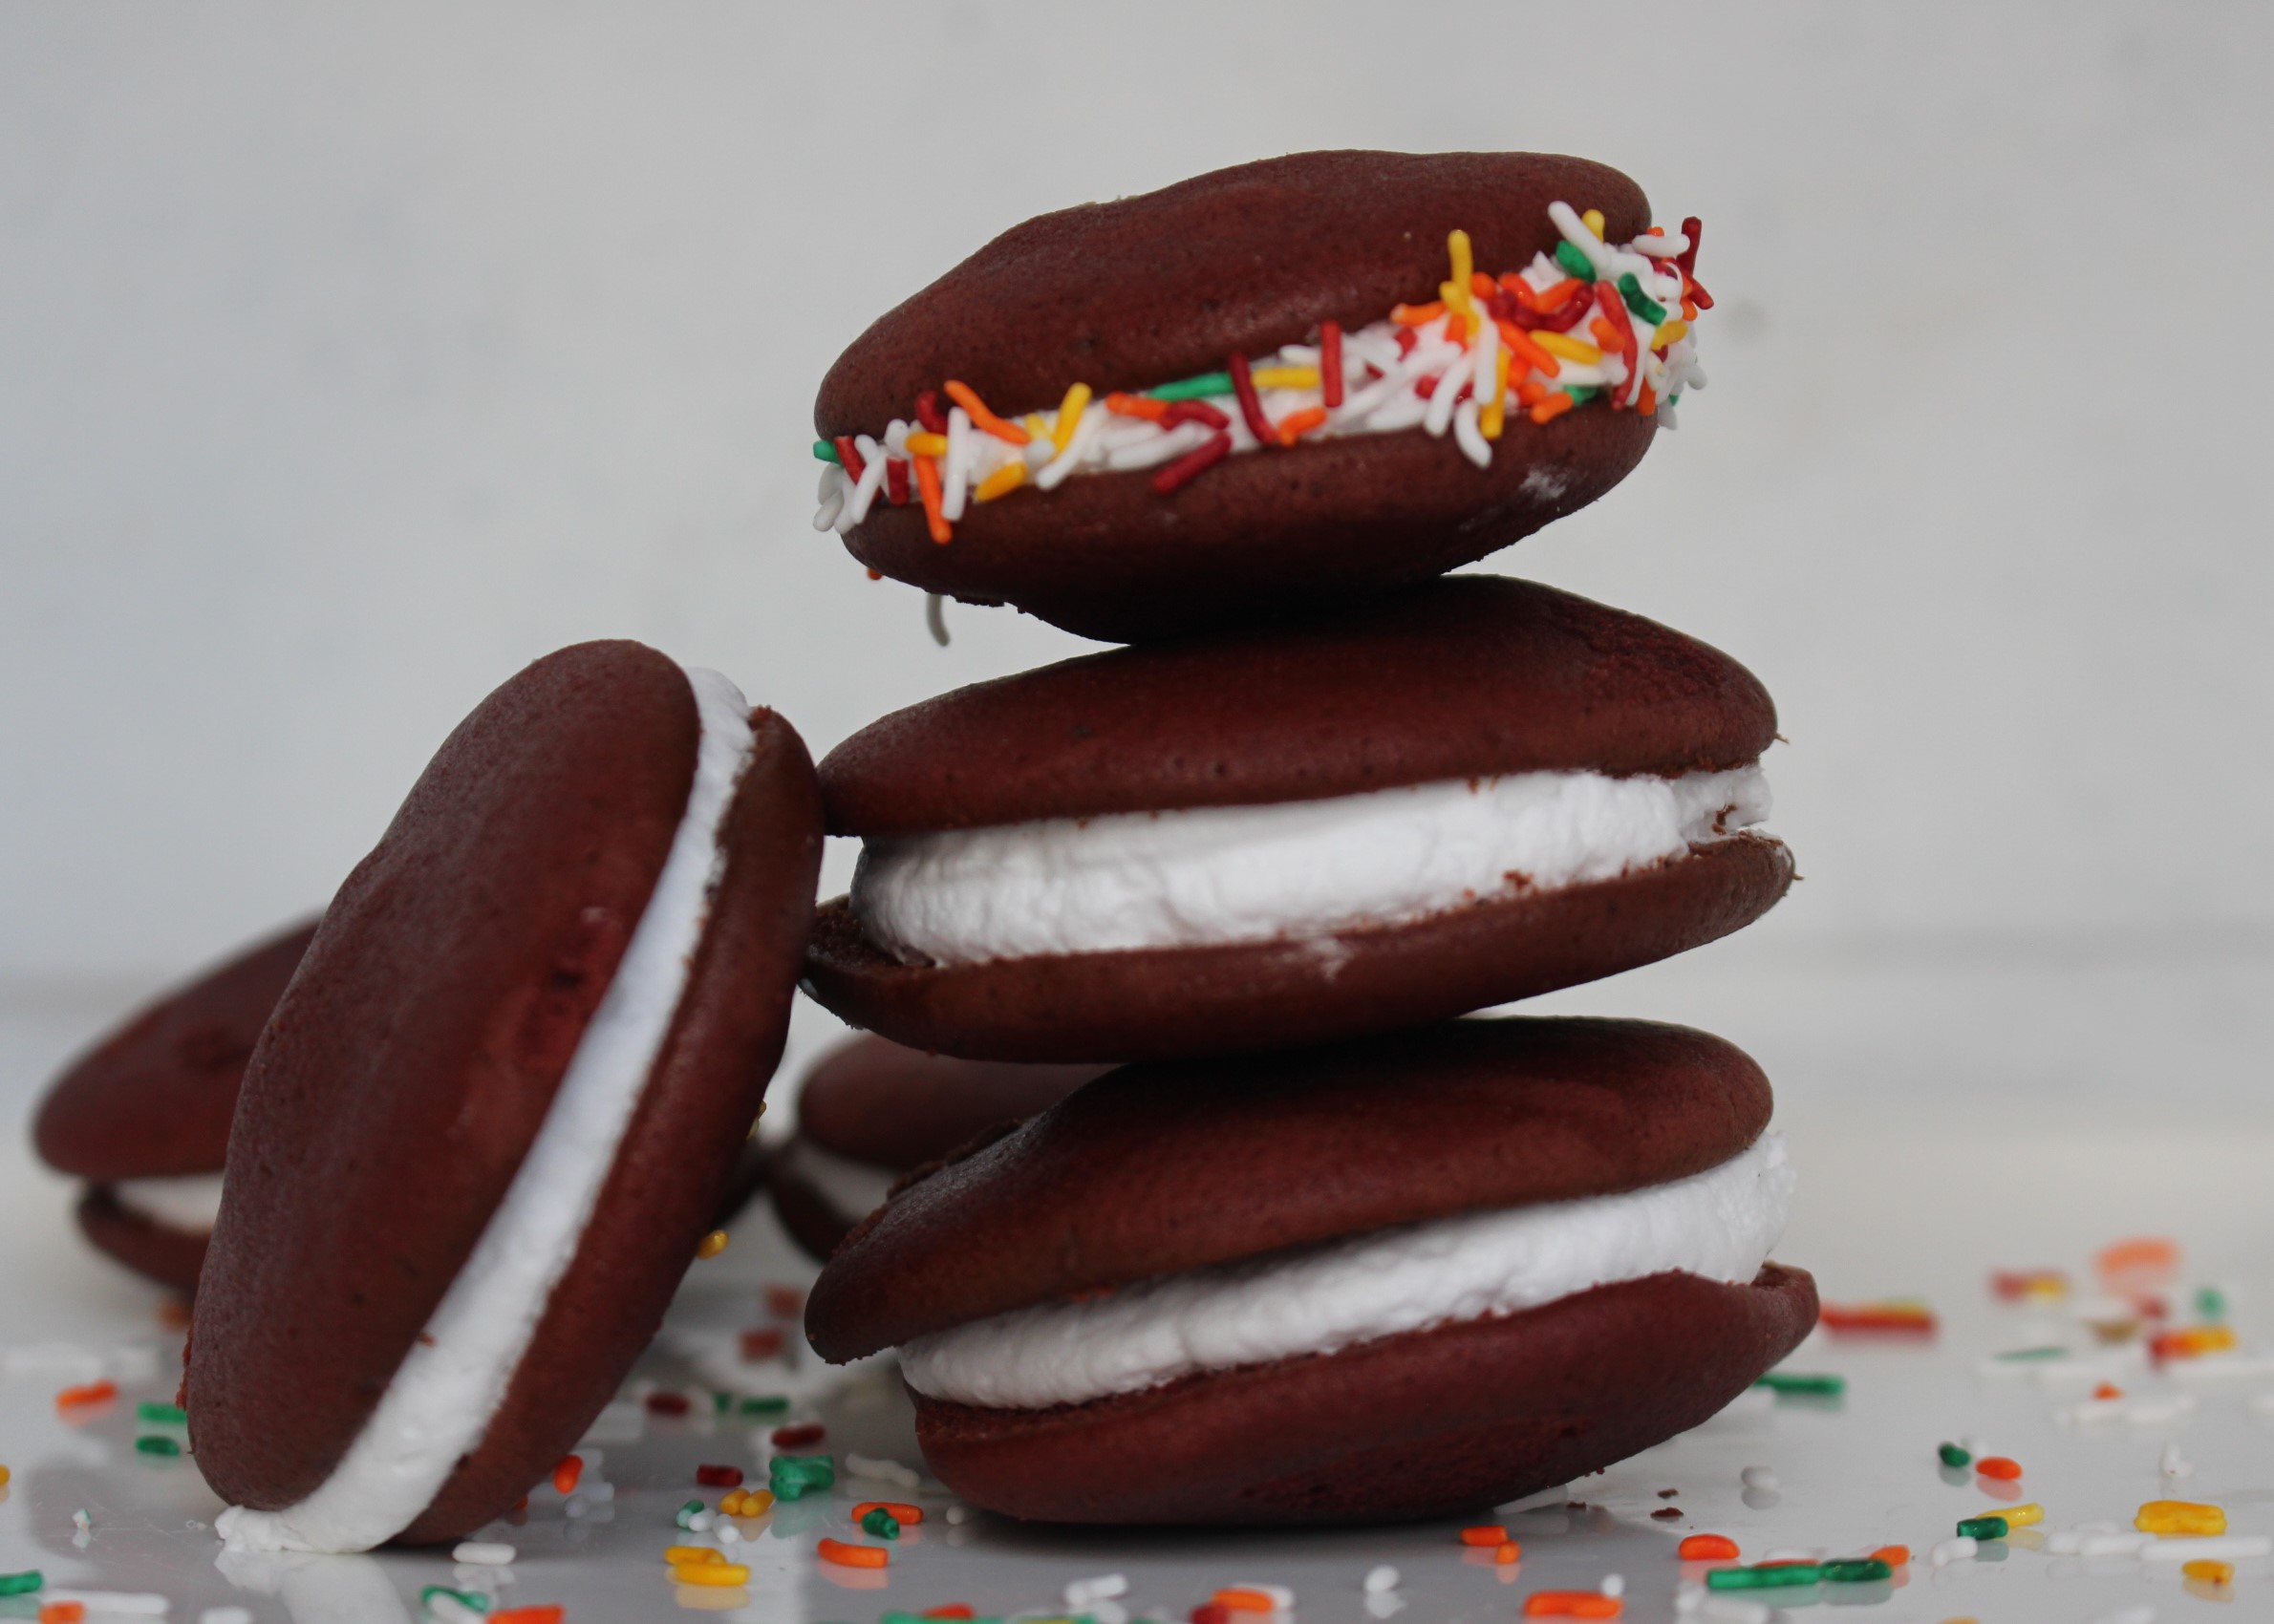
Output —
<point x="871" y="1111"/>
<point x="1481" y="790"/>
<point x="1398" y="1278"/>
<point x="493" y="1115"/>
<point x="1308" y="377"/>
<point x="143" y="1116"/>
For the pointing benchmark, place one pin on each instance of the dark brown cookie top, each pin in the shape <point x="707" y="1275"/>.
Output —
<point x="153" y="1099"/>
<point x="1158" y="1169"/>
<point x="1139" y="291"/>
<point x="1463" y="677"/>
<point x="877" y="1102"/>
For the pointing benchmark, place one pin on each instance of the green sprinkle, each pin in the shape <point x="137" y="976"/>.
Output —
<point x="1193" y="388"/>
<point x="154" y="1444"/>
<point x="21" y="1583"/>
<point x="792" y="1477"/>
<point x="1640" y="301"/>
<point x="2049" y="1353"/>
<point x="882" y="1524"/>
<point x="1574" y="260"/>
<point x="161" y="1415"/>
<point x="1953" y="1455"/>
<point x="686" y="1513"/>
<point x="1582" y="393"/>
<point x="1777" y="1577"/>
<point x="473" y="1600"/>
<point x="2210" y="1303"/>
<point x="1791" y="1381"/>
<point x="1981" y="1527"/>
<point x="773" y="1406"/>
<point x="1857" y="1571"/>
<point x="826" y="452"/>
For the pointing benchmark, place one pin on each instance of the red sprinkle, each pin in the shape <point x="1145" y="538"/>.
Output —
<point x="1694" y="229"/>
<point x="798" y="1434"/>
<point x="1699" y="296"/>
<point x="668" y="1403"/>
<point x="787" y="1302"/>
<point x="1330" y="362"/>
<point x="762" y="1343"/>
<point x="1251" y="408"/>
<point x="1407" y="341"/>
<point x="1173" y="477"/>
<point x="849" y="454"/>
<point x="1211" y="1613"/>
<point x="529" y="1616"/>
<point x="896" y="481"/>
<point x="929" y="414"/>
<point x="1194" y="412"/>
<point x="954" y="1610"/>
<point x="1614" y="308"/>
<point x="566" y="1475"/>
<point x="719" y="1477"/>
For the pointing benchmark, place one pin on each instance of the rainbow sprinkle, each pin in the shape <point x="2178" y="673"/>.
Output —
<point x="1589" y="322"/>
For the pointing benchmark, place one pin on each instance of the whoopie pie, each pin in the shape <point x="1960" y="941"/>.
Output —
<point x="1296" y="379"/>
<point x="493" y="1113"/>
<point x="143" y="1116"/>
<point x="1223" y="1292"/>
<point x="871" y="1110"/>
<point x="1479" y="790"/>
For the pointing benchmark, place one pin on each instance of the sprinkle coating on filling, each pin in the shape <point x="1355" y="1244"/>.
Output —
<point x="1591" y="322"/>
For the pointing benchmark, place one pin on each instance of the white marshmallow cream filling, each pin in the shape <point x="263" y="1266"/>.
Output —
<point x="189" y="1203"/>
<point x="1719" y="1224"/>
<point x="1215" y="874"/>
<point x="448" y="1386"/>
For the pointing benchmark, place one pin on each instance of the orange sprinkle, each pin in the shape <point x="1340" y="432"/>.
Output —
<point x="928" y="487"/>
<point x="2148" y="1257"/>
<point x="1605" y="334"/>
<point x="1552" y="408"/>
<point x="964" y="396"/>
<point x="1707" y="1547"/>
<point x="852" y="1555"/>
<point x="1136" y="406"/>
<point x="529" y="1616"/>
<point x="1484" y="1533"/>
<point x="1244" y="1601"/>
<point x="1296" y="424"/>
<point x="1530" y="392"/>
<point x="63" y="1612"/>
<point x="2107" y="1390"/>
<point x="1481" y="285"/>
<point x="1418" y="315"/>
<point x="565" y="1475"/>
<point x="1647" y="405"/>
<point x="900" y="1511"/>
<point x="1507" y="1554"/>
<point x="94" y="1393"/>
<point x="1573" y="1604"/>
<point x="1520" y="343"/>
<point x="1456" y="328"/>
<point x="1894" y="1555"/>
<point x="1999" y="1467"/>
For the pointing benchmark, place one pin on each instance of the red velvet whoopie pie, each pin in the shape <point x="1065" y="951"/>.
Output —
<point x="1294" y="380"/>
<point x="495" y="1111"/>
<point x="143" y="1116"/>
<point x="1215" y="1292"/>
<point x="1478" y="790"/>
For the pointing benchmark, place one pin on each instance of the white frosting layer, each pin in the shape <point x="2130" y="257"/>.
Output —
<point x="1720" y="1223"/>
<point x="1297" y="869"/>
<point x="190" y="1203"/>
<point x="439" y="1403"/>
<point x="854" y="1188"/>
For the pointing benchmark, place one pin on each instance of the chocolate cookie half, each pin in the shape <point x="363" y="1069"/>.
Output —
<point x="873" y="1110"/>
<point x="1217" y="1291"/>
<point x="143" y="1116"/>
<point x="1480" y="790"/>
<point x="494" y="1113"/>
<point x="1299" y="379"/>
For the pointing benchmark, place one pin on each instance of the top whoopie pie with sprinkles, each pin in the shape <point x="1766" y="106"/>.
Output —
<point x="1305" y="377"/>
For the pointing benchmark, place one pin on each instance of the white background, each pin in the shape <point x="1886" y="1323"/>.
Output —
<point x="350" y="358"/>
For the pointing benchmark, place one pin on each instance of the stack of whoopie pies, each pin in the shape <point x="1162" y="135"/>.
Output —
<point x="1319" y="1250"/>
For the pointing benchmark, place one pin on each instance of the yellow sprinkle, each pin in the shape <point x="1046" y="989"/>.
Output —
<point x="1037" y="426"/>
<point x="1285" y="378"/>
<point x="1069" y="415"/>
<point x="677" y="1554"/>
<point x="3" y="1477"/>
<point x="2179" y="1517"/>
<point x="1562" y="346"/>
<point x="720" y="1573"/>
<point x="2017" y="1516"/>
<point x="756" y="1502"/>
<point x="1457" y="294"/>
<point x="1494" y="410"/>
<point x="711" y="1245"/>
<point x="2210" y="1573"/>
<point x="1593" y="220"/>
<point x="1002" y="481"/>
<point x="927" y="445"/>
<point x="1669" y="332"/>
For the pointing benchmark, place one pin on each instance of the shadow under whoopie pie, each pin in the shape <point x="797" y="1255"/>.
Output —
<point x="1477" y="791"/>
<point x="1216" y="1291"/>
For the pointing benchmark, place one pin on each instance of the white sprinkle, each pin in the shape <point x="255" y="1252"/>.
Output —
<point x="1387" y="1604"/>
<point x="825" y="517"/>
<point x="2111" y="1545"/>
<point x="2148" y="1411"/>
<point x="956" y="470"/>
<point x="701" y="1523"/>
<point x="957" y="1516"/>
<point x="1081" y="1593"/>
<point x="1666" y="246"/>
<point x="226" y="1616"/>
<point x="1952" y="1551"/>
<point x="1576" y="234"/>
<point x="872" y="477"/>
<point x="482" y="1553"/>
<point x="1469" y="436"/>
<point x="1735" y="1609"/>
<point x="1107" y="1613"/>
<point x="830" y="484"/>
<point x="140" y="1604"/>
<point x="935" y="618"/>
<point x="449" y="1610"/>
<point x="1614" y="1585"/>
<point x="1757" y="1477"/>
<point x="1437" y="415"/>
<point x="896" y="437"/>
<point x="725" y="1531"/>
<point x="1054" y="472"/>
<point x="1794" y="1554"/>
<point x="1380" y="1579"/>
<point x="2174" y="1464"/>
<point x="1153" y="450"/>
<point x="2218" y="1546"/>
<point x="81" y="1520"/>
<point x="879" y="1469"/>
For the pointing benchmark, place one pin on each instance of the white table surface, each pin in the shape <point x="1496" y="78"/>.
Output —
<point x="1903" y="1194"/>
